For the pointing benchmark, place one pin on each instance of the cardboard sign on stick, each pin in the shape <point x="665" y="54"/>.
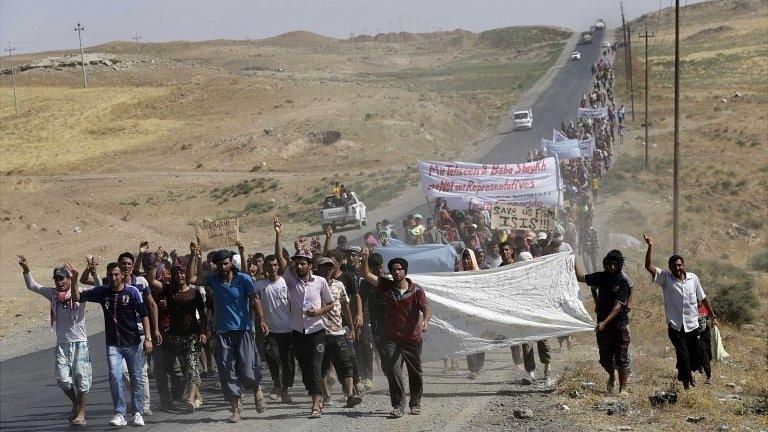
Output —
<point x="517" y="216"/>
<point x="217" y="234"/>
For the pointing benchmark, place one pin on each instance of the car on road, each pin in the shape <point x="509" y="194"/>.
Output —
<point x="523" y="119"/>
<point x="338" y="215"/>
<point x="599" y="24"/>
<point x="586" y="38"/>
<point x="575" y="55"/>
<point x="605" y="44"/>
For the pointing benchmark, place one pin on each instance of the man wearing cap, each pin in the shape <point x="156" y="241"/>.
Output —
<point x="610" y="291"/>
<point x="337" y="335"/>
<point x="683" y="295"/>
<point x="404" y="303"/>
<point x="310" y="298"/>
<point x="235" y="302"/>
<point x="123" y="308"/>
<point x="73" y="362"/>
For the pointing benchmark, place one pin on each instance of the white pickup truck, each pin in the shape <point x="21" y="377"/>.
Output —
<point x="335" y="215"/>
<point x="523" y="119"/>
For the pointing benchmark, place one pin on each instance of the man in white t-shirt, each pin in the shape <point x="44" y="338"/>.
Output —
<point x="683" y="295"/>
<point x="277" y="345"/>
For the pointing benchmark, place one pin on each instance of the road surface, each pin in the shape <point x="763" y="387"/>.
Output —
<point x="31" y="401"/>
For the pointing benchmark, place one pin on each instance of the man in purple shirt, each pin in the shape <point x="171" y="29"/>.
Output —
<point x="310" y="298"/>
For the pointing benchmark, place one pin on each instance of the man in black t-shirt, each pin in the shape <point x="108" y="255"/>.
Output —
<point x="611" y="290"/>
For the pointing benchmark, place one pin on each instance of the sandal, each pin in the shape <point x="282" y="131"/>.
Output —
<point x="234" y="418"/>
<point x="316" y="413"/>
<point x="261" y="404"/>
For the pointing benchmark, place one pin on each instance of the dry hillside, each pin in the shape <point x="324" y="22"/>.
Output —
<point x="724" y="178"/>
<point x="187" y="130"/>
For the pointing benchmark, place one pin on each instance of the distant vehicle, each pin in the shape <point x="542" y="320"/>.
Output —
<point x="335" y="215"/>
<point x="599" y="24"/>
<point x="575" y="55"/>
<point x="279" y="70"/>
<point x="605" y="44"/>
<point x="586" y="38"/>
<point x="523" y="119"/>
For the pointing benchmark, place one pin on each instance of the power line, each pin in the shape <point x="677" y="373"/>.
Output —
<point x="10" y="50"/>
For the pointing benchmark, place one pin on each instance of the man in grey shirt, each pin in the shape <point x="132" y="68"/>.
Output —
<point x="73" y="362"/>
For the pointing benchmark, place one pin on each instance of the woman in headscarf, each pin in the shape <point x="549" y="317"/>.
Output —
<point x="475" y="362"/>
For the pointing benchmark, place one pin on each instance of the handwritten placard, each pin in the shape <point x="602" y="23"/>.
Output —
<point x="217" y="234"/>
<point x="517" y="216"/>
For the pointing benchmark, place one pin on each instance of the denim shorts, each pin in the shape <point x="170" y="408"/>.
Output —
<point x="73" y="366"/>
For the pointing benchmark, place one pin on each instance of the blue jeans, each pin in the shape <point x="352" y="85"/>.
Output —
<point x="134" y="359"/>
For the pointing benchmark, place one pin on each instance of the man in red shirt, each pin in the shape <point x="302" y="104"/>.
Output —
<point x="404" y="302"/>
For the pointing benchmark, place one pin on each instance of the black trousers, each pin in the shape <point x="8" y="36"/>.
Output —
<point x="337" y="353"/>
<point x="379" y="340"/>
<point x="364" y="350"/>
<point x="397" y="354"/>
<point x="706" y="350"/>
<point x="278" y="351"/>
<point x="687" y="350"/>
<point x="529" y="358"/>
<point x="475" y="362"/>
<point x="309" y="349"/>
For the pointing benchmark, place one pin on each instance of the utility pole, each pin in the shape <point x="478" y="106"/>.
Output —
<point x="676" y="175"/>
<point x="400" y="21"/>
<point x="136" y="37"/>
<point x="631" y="76"/>
<point x="352" y="38"/>
<point x="646" y="35"/>
<point x="10" y="50"/>
<point x="79" y="29"/>
<point x="626" y="44"/>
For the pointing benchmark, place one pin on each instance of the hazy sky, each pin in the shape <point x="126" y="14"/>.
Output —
<point x="38" y="25"/>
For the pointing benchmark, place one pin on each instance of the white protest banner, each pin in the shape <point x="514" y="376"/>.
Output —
<point x="477" y="311"/>
<point x="537" y="199"/>
<point x="568" y="149"/>
<point x="517" y="216"/>
<point x="558" y="136"/>
<point x="461" y="181"/>
<point x="217" y="234"/>
<point x="587" y="146"/>
<point x="593" y="112"/>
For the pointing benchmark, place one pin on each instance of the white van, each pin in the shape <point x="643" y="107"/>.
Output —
<point x="523" y="119"/>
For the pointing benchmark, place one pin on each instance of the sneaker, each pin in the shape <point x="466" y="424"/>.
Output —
<point x="609" y="386"/>
<point x="260" y="402"/>
<point x="138" y="420"/>
<point x="396" y="413"/>
<point x="353" y="401"/>
<point x="147" y="412"/>
<point x="472" y="375"/>
<point x="368" y="384"/>
<point x="285" y="397"/>
<point x="532" y="374"/>
<point x="709" y="382"/>
<point x="118" y="420"/>
<point x="327" y="401"/>
<point x="415" y="410"/>
<point x="274" y="394"/>
<point x="623" y="393"/>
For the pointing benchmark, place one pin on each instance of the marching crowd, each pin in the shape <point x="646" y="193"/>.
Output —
<point x="335" y="312"/>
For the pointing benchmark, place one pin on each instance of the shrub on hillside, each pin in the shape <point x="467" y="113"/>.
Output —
<point x="731" y="289"/>
<point x="759" y="261"/>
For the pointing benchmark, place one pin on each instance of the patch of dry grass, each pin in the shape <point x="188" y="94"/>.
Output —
<point x="62" y="126"/>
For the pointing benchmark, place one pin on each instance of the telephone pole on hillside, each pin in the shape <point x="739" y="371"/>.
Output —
<point x="631" y="74"/>
<point x="676" y="172"/>
<point x="136" y="37"/>
<point x="352" y="38"/>
<point x="645" y="36"/>
<point x="10" y="50"/>
<point x="79" y="29"/>
<point x="626" y="49"/>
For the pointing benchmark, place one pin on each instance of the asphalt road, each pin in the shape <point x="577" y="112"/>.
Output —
<point x="30" y="400"/>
